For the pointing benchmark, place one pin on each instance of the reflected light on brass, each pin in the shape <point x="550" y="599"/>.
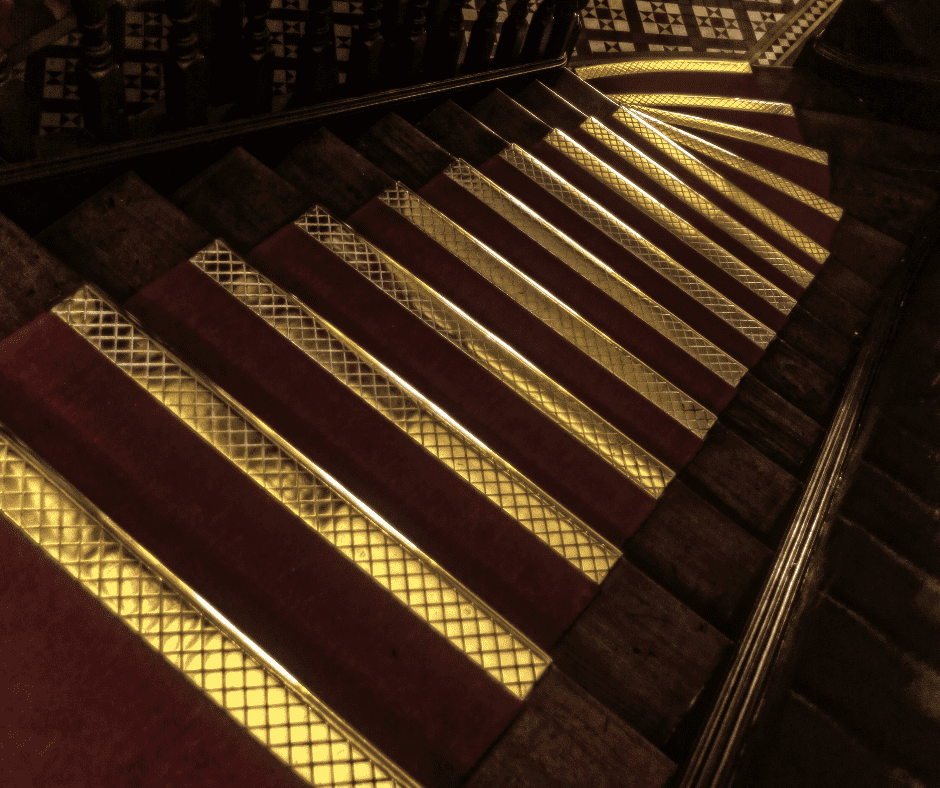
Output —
<point x="188" y="632"/>
<point x="310" y="493"/>
<point x="405" y="407"/>
<point x="489" y="351"/>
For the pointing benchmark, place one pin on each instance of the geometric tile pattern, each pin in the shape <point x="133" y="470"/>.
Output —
<point x="546" y="307"/>
<point x="191" y="637"/>
<point x="655" y="137"/>
<point x="310" y="493"/>
<point x="666" y="218"/>
<point x="708" y="148"/>
<point x="649" y="254"/>
<point x="761" y="31"/>
<point x="740" y="198"/>
<point x="416" y="416"/>
<point x="587" y="265"/>
<point x="494" y="355"/>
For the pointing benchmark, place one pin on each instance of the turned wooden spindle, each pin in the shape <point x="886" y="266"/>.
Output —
<point x="408" y="54"/>
<point x="536" y="40"/>
<point x="185" y="70"/>
<point x="482" y="38"/>
<point x="224" y="50"/>
<point x="257" y="70"/>
<point x="316" y="58"/>
<point x="446" y="45"/>
<point x="365" y="56"/>
<point x="512" y="35"/>
<point x="566" y="28"/>
<point x="16" y="140"/>
<point x="100" y="78"/>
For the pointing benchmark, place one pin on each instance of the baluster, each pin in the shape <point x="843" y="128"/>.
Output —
<point x="566" y="28"/>
<point x="365" y="56"/>
<point x="482" y="38"/>
<point x="257" y="61"/>
<point x="16" y="140"/>
<point x="512" y="35"/>
<point x="225" y="50"/>
<point x="100" y="79"/>
<point x="394" y="13"/>
<point x="540" y="29"/>
<point x="408" y="53"/>
<point x="316" y="59"/>
<point x="447" y="44"/>
<point x="185" y="70"/>
<point x="434" y="15"/>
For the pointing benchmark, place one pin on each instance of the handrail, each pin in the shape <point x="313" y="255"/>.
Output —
<point x="716" y="750"/>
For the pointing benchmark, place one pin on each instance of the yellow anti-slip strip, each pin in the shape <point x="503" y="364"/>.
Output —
<point x="739" y="197"/>
<point x="359" y="533"/>
<point x="709" y="102"/>
<point x="647" y="253"/>
<point x="674" y="223"/>
<point x="490" y="352"/>
<point x="707" y="148"/>
<point x="550" y="310"/>
<point x="736" y="132"/>
<point x="410" y="411"/>
<point x="663" y="64"/>
<point x="583" y="262"/>
<point x="189" y="633"/>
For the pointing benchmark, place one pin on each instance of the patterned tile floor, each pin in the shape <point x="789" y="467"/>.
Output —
<point x="766" y="32"/>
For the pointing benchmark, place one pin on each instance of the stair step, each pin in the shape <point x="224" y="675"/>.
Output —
<point x="884" y="697"/>
<point x="810" y="748"/>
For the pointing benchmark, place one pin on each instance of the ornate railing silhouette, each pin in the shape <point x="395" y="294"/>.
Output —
<point x="219" y="61"/>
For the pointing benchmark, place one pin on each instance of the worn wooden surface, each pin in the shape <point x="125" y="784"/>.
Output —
<point x="700" y="556"/>
<point x="817" y="341"/>
<point x="124" y="237"/>
<point x="779" y="430"/>
<point x="797" y="379"/>
<point x="741" y="482"/>
<point x="241" y="196"/>
<point x="641" y="652"/>
<point x="402" y="152"/>
<point x="564" y="738"/>
<point x="461" y="134"/>
<point x="33" y="279"/>
<point x="509" y="120"/>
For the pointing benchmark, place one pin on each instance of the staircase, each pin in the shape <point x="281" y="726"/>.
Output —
<point x="451" y="451"/>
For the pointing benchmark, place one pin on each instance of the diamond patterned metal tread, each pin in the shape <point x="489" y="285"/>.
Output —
<point x="310" y="493"/>
<point x="664" y="64"/>
<point x="550" y="310"/>
<point x="704" y="102"/>
<point x="637" y="245"/>
<point x="426" y="423"/>
<point x="675" y="224"/>
<point x="192" y="636"/>
<point x="704" y="147"/>
<point x="586" y="264"/>
<point x="780" y="226"/>
<point x="705" y="207"/>
<point x="736" y="132"/>
<point x="489" y="351"/>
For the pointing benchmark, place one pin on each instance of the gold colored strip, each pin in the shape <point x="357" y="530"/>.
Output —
<point x="636" y="244"/>
<point x="310" y="493"/>
<point x="594" y="270"/>
<point x="671" y="221"/>
<point x="665" y="64"/>
<point x="738" y="132"/>
<point x="414" y="414"/>
<point x="490" y="352"/>
<point x="547" y="308"/>
<point x="707" y="102"/>
<point x="692" y="198"/>
<point x="738" y="196"/>
<point x="741" y="164"/>
<point x="191" y="635"/>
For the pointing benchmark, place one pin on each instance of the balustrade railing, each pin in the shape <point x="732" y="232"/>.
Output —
<point x="218" y="61"/>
